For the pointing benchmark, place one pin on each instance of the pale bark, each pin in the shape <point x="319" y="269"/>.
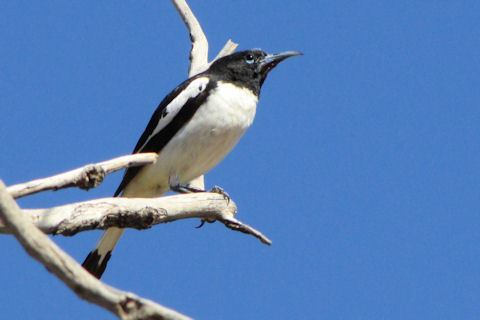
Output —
<point x="124" y="304"/>
<point x="86" y="177"/>
<point x="136" y="213"/>
<point x="199" y="51"/>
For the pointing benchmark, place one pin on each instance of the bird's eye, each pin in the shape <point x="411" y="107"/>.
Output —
<point x="249" y="58"/>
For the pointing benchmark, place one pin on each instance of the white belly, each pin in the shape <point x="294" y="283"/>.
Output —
<point x="201" y="144"/>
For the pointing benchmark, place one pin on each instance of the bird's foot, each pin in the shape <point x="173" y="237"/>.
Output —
<point x="219" y="190"/>
<point x="226" y="196"/>
<point x="189" y="189"/>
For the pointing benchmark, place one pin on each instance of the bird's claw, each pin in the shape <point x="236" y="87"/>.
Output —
<point x="226" y="196"/>
<point x="219" y="190"/>
<point x="203" y="222"/>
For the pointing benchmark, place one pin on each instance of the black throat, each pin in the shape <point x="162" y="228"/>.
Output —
<point x="240" y="79"/>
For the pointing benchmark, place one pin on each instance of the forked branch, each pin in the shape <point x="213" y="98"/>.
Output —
<point x="199" y="51"/>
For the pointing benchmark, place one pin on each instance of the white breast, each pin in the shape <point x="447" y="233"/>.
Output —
<point x="234" y="106"/>
<point x="203" y="142"/>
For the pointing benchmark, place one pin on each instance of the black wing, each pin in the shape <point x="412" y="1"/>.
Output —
<point x="146" y="143"/>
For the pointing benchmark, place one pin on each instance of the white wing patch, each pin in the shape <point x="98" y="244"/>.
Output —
<point x="196" y="87"/>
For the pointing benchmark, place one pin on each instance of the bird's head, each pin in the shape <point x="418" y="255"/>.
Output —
<point x="248" y="68"/>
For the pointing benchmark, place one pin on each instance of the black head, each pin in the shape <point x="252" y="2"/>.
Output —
<point x="248" y="68"/>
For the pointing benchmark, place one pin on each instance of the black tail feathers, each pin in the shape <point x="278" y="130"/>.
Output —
<point x="95" y="263"/>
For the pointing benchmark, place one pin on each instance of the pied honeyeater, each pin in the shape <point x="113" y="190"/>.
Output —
<point x="192" y="130"/>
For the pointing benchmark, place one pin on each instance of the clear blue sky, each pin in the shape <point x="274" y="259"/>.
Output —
<point x="362" y="165"/>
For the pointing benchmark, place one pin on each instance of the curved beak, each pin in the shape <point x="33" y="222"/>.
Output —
<point x="270" y="61"/>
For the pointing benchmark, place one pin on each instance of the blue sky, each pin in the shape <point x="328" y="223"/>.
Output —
<point x="362" y="165"/>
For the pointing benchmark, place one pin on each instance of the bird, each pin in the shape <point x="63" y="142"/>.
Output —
<point x="193" y="128"/>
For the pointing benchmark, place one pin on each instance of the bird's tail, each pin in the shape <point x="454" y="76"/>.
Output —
<point x="97" y="259"/>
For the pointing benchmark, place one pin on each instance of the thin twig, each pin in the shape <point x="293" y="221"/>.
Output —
<point x="227" y="49"/>
<point x="86" y="177"/>
<point x="237" y="225"/>
<point x="124" y="304"/>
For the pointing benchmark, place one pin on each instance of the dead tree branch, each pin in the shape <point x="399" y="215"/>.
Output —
<point x="227" y="49"/>
<point x="124" y="304"/>
<point x="136" y="213"/>
<point x="87" y="177"/>
<point x="199" y="51"/>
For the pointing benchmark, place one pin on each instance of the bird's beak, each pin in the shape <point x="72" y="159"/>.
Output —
<point x="271" y="60"/>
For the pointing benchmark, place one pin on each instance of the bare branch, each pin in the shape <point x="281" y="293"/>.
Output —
<point x="87" y="177"/>
<point x="136" y="213"/>
<point x="237" y="225"/>
<point x="199" y="51"/>
<point x="227" y="49"/>
<point x="123" y="304"/>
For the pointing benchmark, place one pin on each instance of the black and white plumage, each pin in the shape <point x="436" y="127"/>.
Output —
<point x="192" y="130"/>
